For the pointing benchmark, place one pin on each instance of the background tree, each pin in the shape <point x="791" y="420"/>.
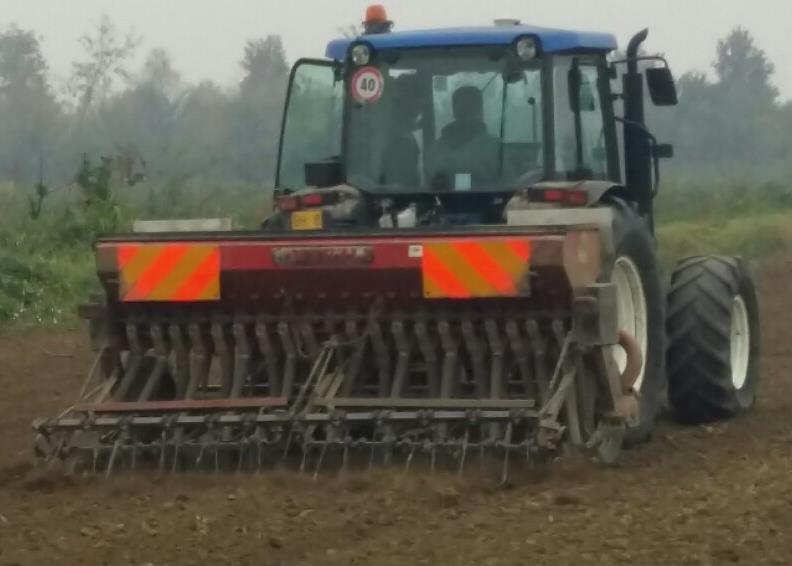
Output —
<point x="30" y="112"/>
<point x="258" y="108"/>
<point x="107" y="53"/>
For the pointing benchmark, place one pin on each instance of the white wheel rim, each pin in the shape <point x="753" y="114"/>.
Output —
<point x="740" y="342"/>
<point x="631" y="311"/>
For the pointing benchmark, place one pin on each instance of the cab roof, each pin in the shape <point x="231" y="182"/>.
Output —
<point x="550" y="40"/>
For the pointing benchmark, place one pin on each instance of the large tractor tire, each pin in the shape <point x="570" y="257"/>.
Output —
<point x="713" y="329"/>
<point x="641" y="312"/>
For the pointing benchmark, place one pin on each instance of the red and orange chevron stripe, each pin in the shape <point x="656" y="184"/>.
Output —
<point x="178" y="272"/>
<point x="463" y="269"/>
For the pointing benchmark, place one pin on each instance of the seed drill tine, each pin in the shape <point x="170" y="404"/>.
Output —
<point x="539" y="349"/>
<point x="496" y="369"/>
<point x="243" y="354"/>
<point x="223" y="352"/>
<point x="182" y="359"/>
<point x="134" y="363"/>
<point x="356" y="359"/>
<point x="290" y="364"/>
<point x="382" y="356"/>
<point x="517" y="346"/>
<point x="428" y="349"/>
<point x="477" y="351"/>
<point x="200" y="359"/>
<point x="403" y="346"/>
<point x="271" y="358"/>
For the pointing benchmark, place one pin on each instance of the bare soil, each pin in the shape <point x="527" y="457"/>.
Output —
<point x="705" y="495"/>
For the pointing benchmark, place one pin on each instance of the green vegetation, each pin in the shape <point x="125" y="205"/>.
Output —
<point x="747" y="219"/>
<point x="46" y="266"/>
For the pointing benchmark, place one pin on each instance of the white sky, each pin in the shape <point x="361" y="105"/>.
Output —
<point x="205" y="37"/>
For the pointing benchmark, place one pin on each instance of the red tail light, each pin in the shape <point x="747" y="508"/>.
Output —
<point x="288" y="204"/>
<point x="552" y="195"/>
<point x="292" y="203"/>
<point x="567" y="197"/>
<point x="576" y="198"/>
<point x="314" y="199"/>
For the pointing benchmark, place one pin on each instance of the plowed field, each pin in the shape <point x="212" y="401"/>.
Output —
<point x="705" y="495"/>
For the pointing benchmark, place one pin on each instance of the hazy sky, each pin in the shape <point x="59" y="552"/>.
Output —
<point x="205" y="37"/>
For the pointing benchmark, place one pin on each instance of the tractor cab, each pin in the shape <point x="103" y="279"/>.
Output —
<point x="463" y="115"/>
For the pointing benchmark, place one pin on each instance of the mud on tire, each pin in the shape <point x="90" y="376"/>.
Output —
<point x="713" y="367"/>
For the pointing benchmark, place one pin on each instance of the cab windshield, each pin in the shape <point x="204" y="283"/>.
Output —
<point x="446" y="122"/>
<point x="429" y="120"/>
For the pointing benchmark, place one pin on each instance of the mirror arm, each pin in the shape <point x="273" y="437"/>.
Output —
<point x="653" y="143"/>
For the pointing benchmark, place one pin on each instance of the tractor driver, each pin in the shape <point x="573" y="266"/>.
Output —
<point x="466" y="155"/>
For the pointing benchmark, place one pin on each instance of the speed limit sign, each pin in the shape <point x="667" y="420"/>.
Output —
<point x="367" y="85"/>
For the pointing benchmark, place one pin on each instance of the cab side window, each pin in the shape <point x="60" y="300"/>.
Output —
<point x="580" y="124"/>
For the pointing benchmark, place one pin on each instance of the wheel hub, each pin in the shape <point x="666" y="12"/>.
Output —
<point x="631" y="312"/>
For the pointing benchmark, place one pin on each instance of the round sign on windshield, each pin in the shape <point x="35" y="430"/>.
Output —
<point x="367" y="85"/>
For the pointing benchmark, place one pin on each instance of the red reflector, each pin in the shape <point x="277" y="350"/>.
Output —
<point x="553" y="195"/>
<point x="576" y="198"/>
<point x="314" y="199"/>
<point x="568" y="197"/>
<point x="288" y="204"/>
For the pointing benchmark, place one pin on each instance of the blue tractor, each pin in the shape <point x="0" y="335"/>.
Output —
<point x="461" y="258"/>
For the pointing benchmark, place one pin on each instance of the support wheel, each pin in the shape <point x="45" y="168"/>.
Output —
<point x="713" y="329"/>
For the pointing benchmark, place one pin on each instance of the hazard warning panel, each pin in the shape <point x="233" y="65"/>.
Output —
<point x="367" y="85"/>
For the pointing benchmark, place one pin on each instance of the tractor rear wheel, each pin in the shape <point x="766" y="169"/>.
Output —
<point x="641" y="312"/>
<point x="713" y="328"/>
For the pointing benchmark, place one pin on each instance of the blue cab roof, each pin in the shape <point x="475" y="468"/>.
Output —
<point x="551" y="40"/>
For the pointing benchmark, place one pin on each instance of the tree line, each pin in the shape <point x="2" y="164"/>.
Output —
<point x="156" y="126"/>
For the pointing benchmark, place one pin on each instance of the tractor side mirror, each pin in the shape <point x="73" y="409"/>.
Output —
<point x="662" y="88"/>
<point x="663" y="151"/>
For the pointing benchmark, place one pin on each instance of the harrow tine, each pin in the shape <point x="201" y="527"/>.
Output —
<point x="258" y="449"/>
<point x="288" y="444"/>
<point x="345" y="456"/>
<point x="410" y="458"/>
<point x="133" y="458"/>
<point x="241" y="457"/>
<point x="163" y="440"/>
<point x="305" y="449"/>
<point x="507" y="448"/>
<point x="320" y="461"/>
<point x="113" y="455"/>
<point x="464" y="451"/>
<point x="177" y="439"/>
